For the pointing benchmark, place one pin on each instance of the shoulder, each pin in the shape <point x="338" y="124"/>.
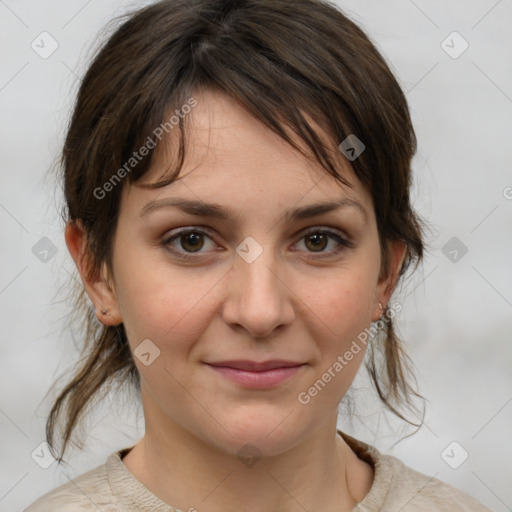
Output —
<point x="398" y="487"/>
<point x="89" y="491"/>
<point x="412" y="491"/>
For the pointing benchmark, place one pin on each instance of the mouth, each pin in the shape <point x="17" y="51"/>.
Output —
<point x="254" y="366"/>
<point x="257" y="375"/>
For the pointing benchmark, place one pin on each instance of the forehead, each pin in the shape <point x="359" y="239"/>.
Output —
<point x="232" y="157"/>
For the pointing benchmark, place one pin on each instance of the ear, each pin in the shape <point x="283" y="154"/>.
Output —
<point x="396" y="251"/>
<point x="98" y="288"/>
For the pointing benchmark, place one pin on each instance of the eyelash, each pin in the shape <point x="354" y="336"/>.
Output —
<point x="344" y="243"/>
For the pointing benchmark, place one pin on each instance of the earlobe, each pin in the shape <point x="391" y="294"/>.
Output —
<point x="397" y="251"/>
<point x="108" y="310"/>
<point x="96" y="284"/>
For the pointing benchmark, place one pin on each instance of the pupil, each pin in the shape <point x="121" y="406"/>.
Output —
<point x="318" y="240"/>
<point x="193" y="240"/>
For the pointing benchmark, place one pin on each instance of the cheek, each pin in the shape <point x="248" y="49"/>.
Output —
<point x="345" y="308"/>
<point x="341" y="303"/>
<point x="339" y="320"/>
<point x="162" y="303"/>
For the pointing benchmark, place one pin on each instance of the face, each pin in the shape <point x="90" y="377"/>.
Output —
<point x="255" y="283"/>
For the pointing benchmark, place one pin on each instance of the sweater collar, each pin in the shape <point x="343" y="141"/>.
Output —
<point x="132" y="495"/>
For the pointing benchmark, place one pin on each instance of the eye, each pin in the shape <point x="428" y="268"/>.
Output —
<point x="316" y="240"/>
<point x="188" y="242"/>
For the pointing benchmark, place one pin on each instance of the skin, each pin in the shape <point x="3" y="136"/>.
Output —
<point x="295" y="301"/>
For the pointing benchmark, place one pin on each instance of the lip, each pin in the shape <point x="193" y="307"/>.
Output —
<point x="257" y="375"/>
<point x="254" y="366"/>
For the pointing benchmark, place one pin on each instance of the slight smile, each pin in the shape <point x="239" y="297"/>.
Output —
<point x="256" y="375"/>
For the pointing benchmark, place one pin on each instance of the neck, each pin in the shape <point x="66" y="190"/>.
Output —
<point x="321" y="473"/>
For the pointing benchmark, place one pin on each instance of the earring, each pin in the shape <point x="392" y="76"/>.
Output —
<point x="380" y="306"/>
<point x="104" y="312"/>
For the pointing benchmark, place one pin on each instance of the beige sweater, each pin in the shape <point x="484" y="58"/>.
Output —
<point x="112" y="488"/>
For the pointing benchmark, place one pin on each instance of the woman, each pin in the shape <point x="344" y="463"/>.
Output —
<point x="237" y="179"/>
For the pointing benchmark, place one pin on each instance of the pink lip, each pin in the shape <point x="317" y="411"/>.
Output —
<point x="254" y="366"/>
<point x="257" y="375"/>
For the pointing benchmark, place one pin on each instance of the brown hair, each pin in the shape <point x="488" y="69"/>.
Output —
<point x="282" y="60"/>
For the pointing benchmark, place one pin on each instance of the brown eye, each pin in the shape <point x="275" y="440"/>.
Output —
<point x="191" y="241"/>
<point x="316" y="241"/>
<point x="186" y="243"/>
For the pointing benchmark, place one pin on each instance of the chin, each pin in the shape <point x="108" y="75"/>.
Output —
<point x="266" y="436"/>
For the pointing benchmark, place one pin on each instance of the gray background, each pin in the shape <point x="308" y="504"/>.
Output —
<point x="457" y="314"/>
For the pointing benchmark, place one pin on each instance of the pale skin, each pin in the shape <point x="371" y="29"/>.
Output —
<point x="296" y="300"/>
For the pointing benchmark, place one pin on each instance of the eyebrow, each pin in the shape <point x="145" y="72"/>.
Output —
<point x="203" y="209"/>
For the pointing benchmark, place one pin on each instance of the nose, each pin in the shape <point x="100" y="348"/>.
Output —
<point x="258" y="299"/>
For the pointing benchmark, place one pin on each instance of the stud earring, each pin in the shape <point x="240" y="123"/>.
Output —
<point x="104" y="312"/>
